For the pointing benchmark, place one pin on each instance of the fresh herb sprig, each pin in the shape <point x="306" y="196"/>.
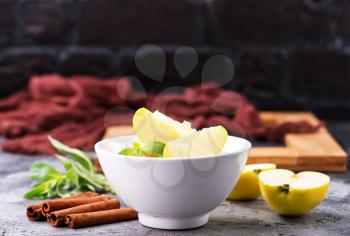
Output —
<point x="79" y="175"/>
<point x="148" y="149"/>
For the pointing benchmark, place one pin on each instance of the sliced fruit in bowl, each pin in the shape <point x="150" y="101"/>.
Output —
<point x="288" y="193"/>
<point x="155" y="126"/>
<point x="161" y="136"/>
<point x="247" y="187"/>
<point x="208" y="141"/>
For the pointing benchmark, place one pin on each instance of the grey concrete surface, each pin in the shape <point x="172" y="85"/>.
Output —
<point x="332" y="217"/>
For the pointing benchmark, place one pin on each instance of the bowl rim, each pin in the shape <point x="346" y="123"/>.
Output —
<point x="244" y="148"/>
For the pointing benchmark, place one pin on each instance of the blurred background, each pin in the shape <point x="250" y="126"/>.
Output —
<point x="288" y="55"/>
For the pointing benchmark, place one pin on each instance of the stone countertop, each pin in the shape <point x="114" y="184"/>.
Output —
<point x="332" y="217"/>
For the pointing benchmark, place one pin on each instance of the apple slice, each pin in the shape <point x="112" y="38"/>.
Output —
<point x="206" y="142"/>
<point x="288" y="193"/>
<point x="158" y="127"/>
<point x="247" y="187"/>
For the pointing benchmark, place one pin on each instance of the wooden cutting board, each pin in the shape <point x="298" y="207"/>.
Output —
<point x="317" y="151"/>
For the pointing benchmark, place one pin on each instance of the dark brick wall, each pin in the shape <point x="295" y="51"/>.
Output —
<point x="288" y="54"/>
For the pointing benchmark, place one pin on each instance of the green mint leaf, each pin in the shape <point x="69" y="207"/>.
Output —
<point x="67" y="164"/>
<point x="90" y="187"/>
<point x="42" y="172"/>
<point x="86" y="177"/>
<point x="137" y="146"/>
<point x="50" y="190"/>
<point x="129" y="152"/>
<point x="153" y="148"/>
<point x="83" y="175"/>
<point x="77" y="178"/>
<point x="36" y="192"/>
<point x="44" y="190"/>
<point x="136" y="150"/>
<point x="63" y="188"/>
<point x="76" y="154"/>
<point x="75" y="172"/>
<point x="73" y="177"/>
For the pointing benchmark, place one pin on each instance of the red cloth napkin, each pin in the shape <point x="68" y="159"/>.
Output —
<point x="71" y="110"/>
<point x="76" y="112"/>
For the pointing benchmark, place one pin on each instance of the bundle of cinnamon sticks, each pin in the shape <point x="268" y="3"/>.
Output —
<point x="82" y="210"/>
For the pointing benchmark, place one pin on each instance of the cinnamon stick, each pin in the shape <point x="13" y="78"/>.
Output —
<point x="56" y="218"/>
<point x="59" y="204"/>
<point x="100" y="217"/>
<point x="34" y="211"/>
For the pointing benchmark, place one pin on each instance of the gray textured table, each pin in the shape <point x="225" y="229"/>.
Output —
<point x="332" y="217"/>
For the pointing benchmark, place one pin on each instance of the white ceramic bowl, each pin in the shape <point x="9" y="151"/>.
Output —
<point x="172" y="193"/>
